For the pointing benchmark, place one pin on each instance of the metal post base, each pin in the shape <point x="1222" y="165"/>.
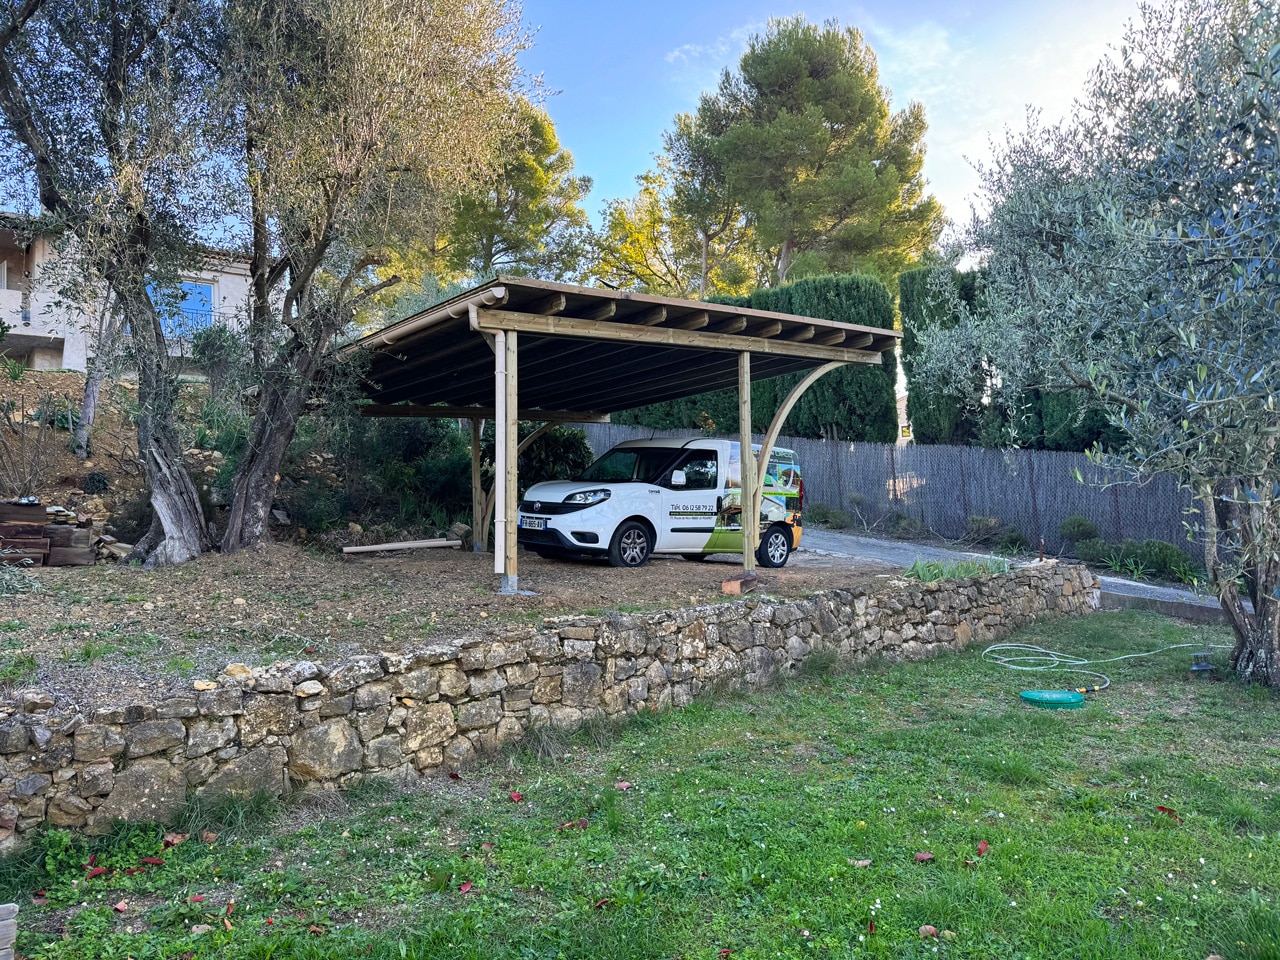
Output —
<point x="510" y="584"/>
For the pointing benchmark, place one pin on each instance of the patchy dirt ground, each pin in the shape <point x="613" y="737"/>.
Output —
<point x="103" y="633"/>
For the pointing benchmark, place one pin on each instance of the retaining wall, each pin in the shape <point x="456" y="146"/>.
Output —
<point x="439" y="705"/>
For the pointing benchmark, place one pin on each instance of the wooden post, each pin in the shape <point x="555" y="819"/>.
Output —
<point x="490" y="495"/>
<point x="499" y="448"/>
<point x="750" y="520"/>
<point x="479" y="522"/>
<point x="509" y="476"/>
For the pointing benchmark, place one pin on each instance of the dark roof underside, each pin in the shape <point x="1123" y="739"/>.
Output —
<point x="437" y="358"/>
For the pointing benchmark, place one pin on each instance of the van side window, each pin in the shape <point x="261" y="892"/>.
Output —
<point x="700" y="470"/>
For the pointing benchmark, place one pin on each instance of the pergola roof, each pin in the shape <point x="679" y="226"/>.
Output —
<point x="594" y="351"/>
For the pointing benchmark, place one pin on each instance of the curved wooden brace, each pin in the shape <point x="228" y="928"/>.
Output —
<point x="775" y="427"/>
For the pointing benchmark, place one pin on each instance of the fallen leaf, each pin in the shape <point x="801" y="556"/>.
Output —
<point x="231" y="905"/>
<point x="861" y="863"/>
<point x="152" y="861"/>
<point x="132" y="870"/>
<point x="983" y="847"/>
<point x="201" y="928"/>
<point x="173" y="839"/>
<point x="516" y="796"/>
<point x="623" y="785"/>
<point x="928" y="931"/>
<point x="871" y="926"/>
<point x="198" y="898"/>
<point x="971" y="863"/>
<point x="95" y="872"/>
<point x="725" y="952"/>
<point x="948" y="935"/>
<point x="603" y="902"/>
<point x="93" y="859"/>
<point x="454" y="775"/>
<point x="121" y="907"/>
<point x="486" y="846"/>
<point x="207" y="836"/>
<point x="465" y="888"/>
<point x="923" y="857"/>
<point x="318" y="931"/>
<point x="1170" y="813"/>
<point x="40" y="901"/>
<point x="227" y="923"/>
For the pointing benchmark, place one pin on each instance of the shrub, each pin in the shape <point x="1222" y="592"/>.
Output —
<point x="1093" y="550"/>
<point x="904" y="526"/>
<point x="819" y="514"/>
<point x="927" y="571"/>
<point x="982" y="529"/>
<point x="95" y="481"/>
<point x="1011" y="541"/>
<point x="1077" y="528"/>
<point x="1160" y="558"/>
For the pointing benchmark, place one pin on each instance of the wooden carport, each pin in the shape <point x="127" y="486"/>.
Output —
<point x="520" y="349"/>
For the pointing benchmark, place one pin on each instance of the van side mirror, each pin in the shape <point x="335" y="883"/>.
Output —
<point x="678" y="479"/>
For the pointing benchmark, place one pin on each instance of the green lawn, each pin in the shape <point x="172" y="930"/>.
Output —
<point x="744" y="828"/>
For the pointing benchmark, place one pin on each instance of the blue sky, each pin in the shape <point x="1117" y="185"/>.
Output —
<point x="623" y="69"/>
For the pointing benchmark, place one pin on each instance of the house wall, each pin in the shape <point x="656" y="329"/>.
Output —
<point x="51" y="336"/>
<point x="83" y="766"/>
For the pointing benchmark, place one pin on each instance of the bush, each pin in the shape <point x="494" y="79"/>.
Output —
<point x="819" y="514"/>
<point x="1093" y="550"/>
<point x="1011" y="541"/>
<point x="95" y="481"/>
<point x="1077" y="528"/>
<point x="904" y="527"/>
<point x="1160" y="558"/>
<point x="982" y="529"/>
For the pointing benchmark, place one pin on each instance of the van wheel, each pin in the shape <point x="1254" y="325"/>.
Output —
<point x="775" y="547"/>
<point x="631" y="545"/>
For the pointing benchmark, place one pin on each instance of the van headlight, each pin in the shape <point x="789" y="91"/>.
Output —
<point x="588" y="497"/>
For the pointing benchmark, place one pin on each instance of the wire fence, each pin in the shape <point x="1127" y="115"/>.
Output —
<point x="942" y="488"/>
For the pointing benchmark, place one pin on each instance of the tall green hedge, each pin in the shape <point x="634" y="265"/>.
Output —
<point x="858" y="402"/>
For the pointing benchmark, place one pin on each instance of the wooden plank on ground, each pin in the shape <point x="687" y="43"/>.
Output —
<point x="71" y="557"/>
<point x="403" y="545"/>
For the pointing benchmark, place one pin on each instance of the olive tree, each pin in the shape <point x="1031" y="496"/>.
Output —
<point x="1131" y="256"/>
<point x="362" y="122"/>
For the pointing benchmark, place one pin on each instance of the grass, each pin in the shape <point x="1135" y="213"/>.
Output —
<point x="740" y="824"/>
<point x="930" y="570"/>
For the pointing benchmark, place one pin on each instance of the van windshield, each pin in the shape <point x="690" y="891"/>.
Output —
<point x="632" y="464"/>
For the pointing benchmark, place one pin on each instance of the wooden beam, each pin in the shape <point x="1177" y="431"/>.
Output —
<point x="858" y="341"/>
<point x="495" y="320"/>
<point x="800" y="334"/>
<point x="750" y="513"/>
<point x="509" y="477"/>
<point x="770" y="329"/>
<point x="552" y="303"/>
<point x="442" y="412"/>
<point x="602" y="312"/>
<point x="648" y="318"/>
<point x="694" y="321"/>
<point x="404" y="545"/>
<point x="732" y="325"/>
<point x="829" y="338"/>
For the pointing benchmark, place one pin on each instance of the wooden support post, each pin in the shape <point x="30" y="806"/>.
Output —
<point x="490" y="495"/>
<point x="509" y="476"/>
<point x="479" y="520"/>
<point x="775" y="426"/>
<point x="750" y="512"/>
<point x="499" y="449"/>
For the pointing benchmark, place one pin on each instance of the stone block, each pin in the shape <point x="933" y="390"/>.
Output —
<point x="97" y="741"/>
<point x="336" y="706"/>
<point x="223" y="702"/>
<point x="261" y="770"/>
<point x="96" y="779"/>
<point x="67" y="810"/>
<point x="485" y="682"/>
<point x="383" y="753"/>
<point x="33" y="784"/>
<point x="354" y="671"/>
<point x="546" y="690"/>
<point x="177" y="708"/>
<point x="453" y="682"/>
<point x="419" y="683"/>
<point x="518" y="674"/>
<point x="428" y="725"/>
<point x="373" y="695"/>
<point x="371" y="723"/>
<point x="148" y="790"/>
<point x="152" y="736"/>
<point x="480" y="713"/>
<point x="578" y="633"/>
<point x="580" y="685"/>
<point x="14" y="737"/>
<point x="325" y="751"/>
<point x="267" y="715"/>
<point x="206" y="736"/>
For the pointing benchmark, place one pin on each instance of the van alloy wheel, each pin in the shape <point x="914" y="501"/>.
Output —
<point x="631" y="545"/>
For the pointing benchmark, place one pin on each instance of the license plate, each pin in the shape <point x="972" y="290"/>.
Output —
<point x="533" y="523"/>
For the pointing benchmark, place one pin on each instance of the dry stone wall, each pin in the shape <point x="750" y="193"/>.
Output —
<point x="82" y="766"/>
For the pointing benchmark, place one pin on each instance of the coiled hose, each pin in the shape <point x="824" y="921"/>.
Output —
<point x="1033" y="659"/>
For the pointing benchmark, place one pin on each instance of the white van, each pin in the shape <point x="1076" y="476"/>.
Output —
<point x="663" y="496"/>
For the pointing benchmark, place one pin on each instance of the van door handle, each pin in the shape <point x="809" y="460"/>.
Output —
<point x="719" y="504"/>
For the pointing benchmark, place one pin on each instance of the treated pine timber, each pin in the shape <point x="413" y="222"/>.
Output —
<point x="732" y="325"/>
<point x="694" y="321"/>
<point x="602" y="312"/>
<point x="441" y="412"/>
<point x="750" y="521"/>
<point x="494" y="320"/>
<point x="648" y="318"/>
<point x="552" y="303"/>
<point x="799" y="334"/>
<point x="510" y="477"/>
<point x="404" y="545"/>
<point x="64" y="535"/>
<point x="766" y="330"/>
<point x="829" y="338"/>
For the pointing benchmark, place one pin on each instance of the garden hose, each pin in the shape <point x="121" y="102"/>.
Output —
<point x="1031" y="658"/>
